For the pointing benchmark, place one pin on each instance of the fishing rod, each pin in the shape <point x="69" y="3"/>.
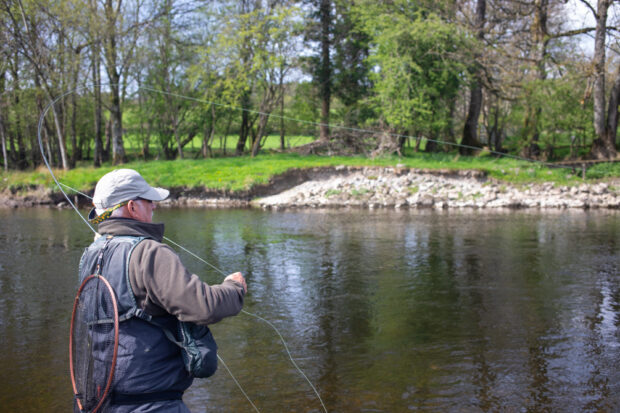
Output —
<point x="60" y="187"/>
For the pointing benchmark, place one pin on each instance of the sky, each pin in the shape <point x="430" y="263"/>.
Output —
<point x="579" y="15"/>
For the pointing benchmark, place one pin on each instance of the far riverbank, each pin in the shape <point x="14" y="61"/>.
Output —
<point x="368" y="187"/>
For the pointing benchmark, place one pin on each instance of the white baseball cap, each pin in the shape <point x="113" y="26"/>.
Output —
<point x="123" y="185"/>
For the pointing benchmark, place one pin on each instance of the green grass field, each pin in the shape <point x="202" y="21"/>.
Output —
<point x="133" y="144"/>
<point x="238" y="173"/>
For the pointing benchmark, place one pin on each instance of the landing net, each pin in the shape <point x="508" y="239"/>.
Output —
<point x="93" y="344"/>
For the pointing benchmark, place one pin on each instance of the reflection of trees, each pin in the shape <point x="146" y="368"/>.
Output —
<point x="493" y="312"/>
<point x="39" y="254"/>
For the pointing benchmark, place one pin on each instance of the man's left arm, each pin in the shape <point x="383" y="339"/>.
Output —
<point x="169" y="285"/>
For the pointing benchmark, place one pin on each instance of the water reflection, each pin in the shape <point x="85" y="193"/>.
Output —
<point x="384" y="310"/>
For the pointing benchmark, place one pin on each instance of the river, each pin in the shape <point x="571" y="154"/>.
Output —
<point x="385" y="311"/>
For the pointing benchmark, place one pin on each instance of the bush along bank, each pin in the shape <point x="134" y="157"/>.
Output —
<point x="367" y="187"/>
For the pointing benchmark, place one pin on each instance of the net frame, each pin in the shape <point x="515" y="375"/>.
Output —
<point x="71" y="335"/>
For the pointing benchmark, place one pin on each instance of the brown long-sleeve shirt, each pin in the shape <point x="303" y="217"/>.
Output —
<point x="162" y="284"/>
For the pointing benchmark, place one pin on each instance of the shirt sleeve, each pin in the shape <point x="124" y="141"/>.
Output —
<point x="162" y="284"/>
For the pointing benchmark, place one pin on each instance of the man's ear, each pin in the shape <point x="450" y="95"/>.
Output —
<point x="131" y="208"/>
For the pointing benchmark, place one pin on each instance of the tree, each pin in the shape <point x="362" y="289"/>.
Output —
<point x="165" y="59"/>
<point x="250" y="54"/>
<point x="605" y="124"/>
<point x="319" y="35"/>
<point x="470" y="131"/>
<point x="350" y="68"/>
<point x="35" y="37"/>
<point x="274" y="61"/>
<point x="3" y="105"/>
<point x="5" y="157"/>
<point x="119" y="32"/>
<point x="324" y="72"/>
<point x="418" y="71"/>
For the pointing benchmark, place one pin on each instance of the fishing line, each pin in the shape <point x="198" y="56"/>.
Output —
<point x="237" y="383"/>
<point x="288" y="118"/>
<point x="263" y="320"/>
<point x="269" y="323"/>
<point x="60" y="185"/>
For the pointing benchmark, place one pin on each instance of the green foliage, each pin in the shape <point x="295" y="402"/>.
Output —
<point x="359" y="192"/>
<point x="416" y="70"/>
<point x="190" y="75"/>
<point x="563" y="118"/>
<point x="603" y="170"/>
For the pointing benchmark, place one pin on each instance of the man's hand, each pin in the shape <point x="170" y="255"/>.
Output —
<point x="238" y="278"/>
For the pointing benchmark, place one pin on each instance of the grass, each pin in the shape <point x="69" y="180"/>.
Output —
<point x="603" y="170"/>
<point x="133" y="143"/>
<point x="332" y="192"/>
<point x="239" y="173"/>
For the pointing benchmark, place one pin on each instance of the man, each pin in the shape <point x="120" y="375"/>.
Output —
<point x="149" y="278"/>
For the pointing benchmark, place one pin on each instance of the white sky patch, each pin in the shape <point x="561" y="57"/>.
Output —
<point x="578" y="16"/>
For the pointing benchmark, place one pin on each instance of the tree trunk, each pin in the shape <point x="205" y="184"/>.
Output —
<point x="599" y="68"/>
<point x="612" y="114"/>
<point x="495" y="134"/>
<point x="77" y="151"/>
<point x="540" y="39"/>
<point x="208" y="135"/>
<point x="108" y="136"/>
<point x="116" y="114"/>
<point x="282" y="132"/>
<point x="604" y="146"/>
<point x="145" y="137"/>
<point x="98" y="157"/>
<point x="245" y="124"/>
<point x="59" y="133"/>
<point x="19" y="153"/>
<point x="95" y="52"/>
<point x="262" y="125"/>
<point x="175" y="125"/>
<point x="205" y="149"/>
<point x="227" y="132"/>
<point x="5" y="157"/>
<point x="470" y="131"/>
<point x="325" y="68"/>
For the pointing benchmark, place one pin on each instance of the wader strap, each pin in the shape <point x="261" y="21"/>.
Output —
<point x="124" y="398"/>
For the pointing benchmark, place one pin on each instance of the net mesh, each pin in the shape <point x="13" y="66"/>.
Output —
<point x="94" y="341"/>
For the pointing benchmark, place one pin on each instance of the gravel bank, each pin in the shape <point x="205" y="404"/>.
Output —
<point x="404" y="188"/>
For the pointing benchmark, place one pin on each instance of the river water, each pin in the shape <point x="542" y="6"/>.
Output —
<point x="385" y="311"/>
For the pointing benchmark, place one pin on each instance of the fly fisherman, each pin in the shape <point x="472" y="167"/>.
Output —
<point x="150" y="374"/>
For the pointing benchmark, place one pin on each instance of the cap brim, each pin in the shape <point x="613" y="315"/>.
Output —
<point x="155" y="194"/>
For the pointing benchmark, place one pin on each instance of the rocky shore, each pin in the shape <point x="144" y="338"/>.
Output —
<point x="405" y="188"/>
<point x="371" y="187"/>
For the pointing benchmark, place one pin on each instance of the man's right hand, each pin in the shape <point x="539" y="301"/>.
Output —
<point x="238" y="278"/>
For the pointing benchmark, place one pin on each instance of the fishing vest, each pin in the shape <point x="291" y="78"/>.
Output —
<point x="148" y="363"/>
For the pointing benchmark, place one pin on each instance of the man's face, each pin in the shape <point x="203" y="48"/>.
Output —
<point x="141" y="210"/>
